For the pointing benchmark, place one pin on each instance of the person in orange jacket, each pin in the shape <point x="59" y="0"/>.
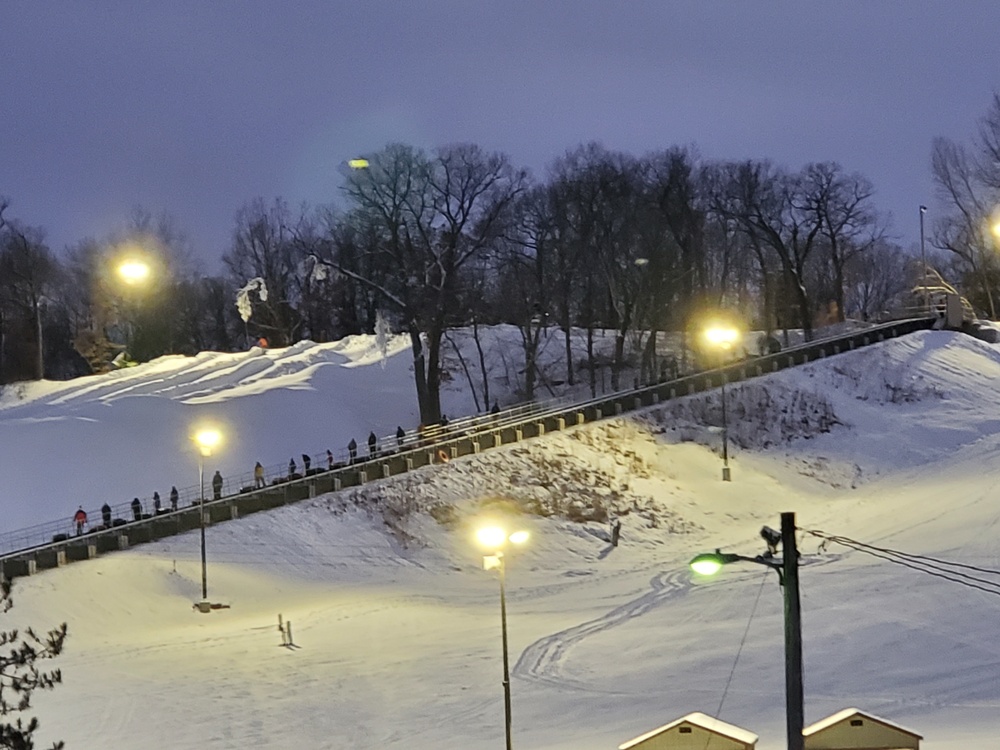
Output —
<point x="80" y="519"/>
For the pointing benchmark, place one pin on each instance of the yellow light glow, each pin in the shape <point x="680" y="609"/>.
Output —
<point x="358" y="163"/>
<point x="996" y="229"/>
<point x="519" y="537"/>
<point x="722" y="336"/>
<point x="207" y="439"/>
<point x="133" y="271"/>
<point x="491" y="537"/>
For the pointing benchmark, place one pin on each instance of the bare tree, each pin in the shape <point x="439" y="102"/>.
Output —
<point x="435" y="215"/>
<point x="777" y="210"/>
<point x="850" y="223"/>
<point x="262" y="246"/>
<point x="524" y="272"/>
<point x="600" y="195"/>
<point x="874" y="279"/>
<point x="27" y="272"/>
<point x="968" y="196"/>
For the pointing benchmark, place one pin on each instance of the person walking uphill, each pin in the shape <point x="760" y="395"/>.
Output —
<point x="173" y="498"/>
<point x="136" y="510"/>
<point x="217" y="486"/>
<point x="80" y="519"/>
<point x="372" y="445"/>
<point x="106" y="515"/>
<point x="258" y="476"/>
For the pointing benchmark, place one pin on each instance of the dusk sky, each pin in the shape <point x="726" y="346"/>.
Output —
<point x="194" y="107"/>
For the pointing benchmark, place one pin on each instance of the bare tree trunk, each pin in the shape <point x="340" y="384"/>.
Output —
<point x="434" y="335"/>
<point x="591" y="364"/>
<point x="420" y="375"/>
<point x="482" y="364"/>
<point x="465" y="369"/>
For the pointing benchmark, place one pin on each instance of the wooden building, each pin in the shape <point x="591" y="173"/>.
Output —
<point x="696" y="731"/>
<point x="852" y="729"/>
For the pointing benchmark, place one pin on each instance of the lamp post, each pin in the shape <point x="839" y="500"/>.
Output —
<point x="723" y="338"/>
<point x="206" y="439"/>
<point x="788" y="576"/>
<point x="496" y="538"/>
<point x="134" y="272"/>
<point x="923" y="262"/>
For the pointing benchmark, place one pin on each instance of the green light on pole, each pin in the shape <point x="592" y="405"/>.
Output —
<point x="707" y="564"/>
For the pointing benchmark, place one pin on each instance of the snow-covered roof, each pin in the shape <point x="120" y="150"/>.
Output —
<point x="706" y="722"/>
<point x="838" y="717"/>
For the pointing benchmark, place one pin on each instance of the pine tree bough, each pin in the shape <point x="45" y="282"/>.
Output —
<point x="20" y="676"/>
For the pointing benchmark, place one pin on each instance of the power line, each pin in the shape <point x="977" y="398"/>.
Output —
<point x="743" y="640"/>
<point x="944" y="569"/>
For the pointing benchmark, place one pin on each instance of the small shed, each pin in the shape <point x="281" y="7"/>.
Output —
<point x="852" y="729"/>
<point x="696" y="731"/>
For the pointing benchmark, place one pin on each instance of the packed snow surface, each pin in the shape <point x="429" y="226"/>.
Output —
<point x="396" y="625"/>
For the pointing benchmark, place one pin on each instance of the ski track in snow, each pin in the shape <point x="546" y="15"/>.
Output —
<point x="542" y="661"/>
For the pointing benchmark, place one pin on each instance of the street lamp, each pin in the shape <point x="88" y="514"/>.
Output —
<point x="495" y="538"/>
<point x="358" y="163"/>
<point x="787" y="568"/>
<point x="923" y="262"/>
<point x="133" y="271"/>
<point x="723" y="338"/>
<point x="206" y="439"/>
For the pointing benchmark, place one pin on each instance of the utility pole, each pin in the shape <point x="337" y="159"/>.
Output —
<point x="923" y="262"/>
<point x="794" y="712"/>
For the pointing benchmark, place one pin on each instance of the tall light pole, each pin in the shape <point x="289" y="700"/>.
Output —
<point x="496" y="539"/>
<point x="923" y="262"/>
<point x="134" y="271"/>
<point x="206" y="439"/>
<point x="723" y="338"/>
<point x="788" y="576"/>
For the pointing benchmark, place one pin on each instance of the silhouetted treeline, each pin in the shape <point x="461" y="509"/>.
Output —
<point x="460" y="236"/>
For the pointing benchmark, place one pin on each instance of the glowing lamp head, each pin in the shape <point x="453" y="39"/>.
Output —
<point x="358" y="163"/>
<point x="207" y="440"/>
<point x="722" y="336"/>
<point x="518" y="537"/>
<point x="707" y="564"/>
<point x="491" y="537"/>
<point x="996" y="229"/>
<point x="133" y="271"/>
<point x="495" y="538"/>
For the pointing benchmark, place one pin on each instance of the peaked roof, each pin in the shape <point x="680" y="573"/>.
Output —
<point x="838" y="717"/>
<point x="706" y="722"/>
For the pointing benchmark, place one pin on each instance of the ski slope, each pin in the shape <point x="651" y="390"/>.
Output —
<point x="396" y="625"/>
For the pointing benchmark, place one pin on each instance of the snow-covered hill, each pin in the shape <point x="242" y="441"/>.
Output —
<point x="398" y="626"/>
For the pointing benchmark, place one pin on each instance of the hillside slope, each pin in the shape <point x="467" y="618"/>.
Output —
<point x="398" y="626"/>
